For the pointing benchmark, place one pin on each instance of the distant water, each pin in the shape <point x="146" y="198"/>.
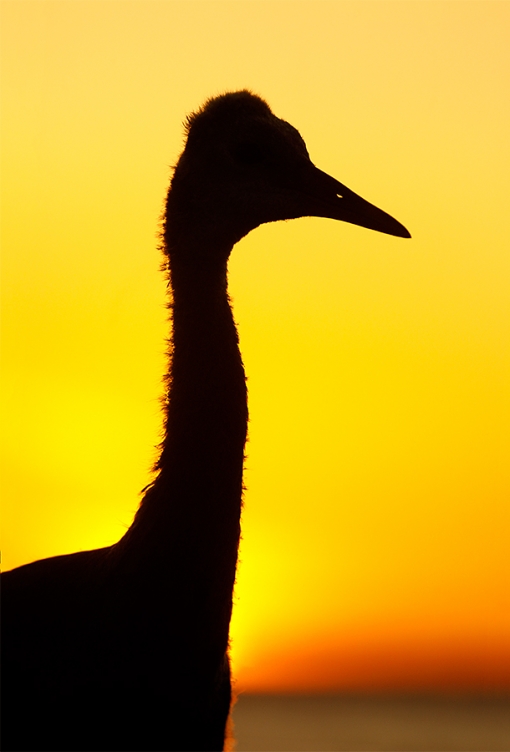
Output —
<point x="323" y="723"/>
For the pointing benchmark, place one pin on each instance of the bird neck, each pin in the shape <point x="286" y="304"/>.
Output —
<point x="207" y="402"/>
<point x="190" y="516"/>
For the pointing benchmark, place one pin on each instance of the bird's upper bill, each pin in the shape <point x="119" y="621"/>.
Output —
<point x="330" y="198"/>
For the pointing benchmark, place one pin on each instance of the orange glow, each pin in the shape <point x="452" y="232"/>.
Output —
<point x="367" y="663"/>
<point x="376" y="519"/>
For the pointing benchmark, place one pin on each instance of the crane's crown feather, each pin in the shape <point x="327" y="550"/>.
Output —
<point x="235" y="115"/>
<point x="230" y="107"/>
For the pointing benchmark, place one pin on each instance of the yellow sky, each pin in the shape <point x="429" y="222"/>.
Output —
<point x="376" y="523"/>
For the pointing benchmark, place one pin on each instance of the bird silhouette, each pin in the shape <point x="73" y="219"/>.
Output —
<point x="125" y="647"/>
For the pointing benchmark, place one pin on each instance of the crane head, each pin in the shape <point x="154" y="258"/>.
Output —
<point x="242" y="167"/>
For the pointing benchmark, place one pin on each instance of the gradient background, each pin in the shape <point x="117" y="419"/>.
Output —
<point x="376" y="522"/>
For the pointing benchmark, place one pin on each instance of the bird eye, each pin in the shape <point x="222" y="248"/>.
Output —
<point x="249" y="153"/>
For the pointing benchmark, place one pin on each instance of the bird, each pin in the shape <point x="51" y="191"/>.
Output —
<point x="126" y="647"/>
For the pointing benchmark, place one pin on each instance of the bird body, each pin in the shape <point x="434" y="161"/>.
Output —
<point x="125" y="647"/>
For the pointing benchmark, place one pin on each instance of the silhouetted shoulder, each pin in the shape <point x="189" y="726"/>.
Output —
<point x="34" y="582"/>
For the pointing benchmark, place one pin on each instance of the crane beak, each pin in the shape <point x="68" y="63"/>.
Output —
<point x="333" y="200"/>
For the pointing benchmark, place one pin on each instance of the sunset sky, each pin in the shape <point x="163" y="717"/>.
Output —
<point x="376" y="522"/>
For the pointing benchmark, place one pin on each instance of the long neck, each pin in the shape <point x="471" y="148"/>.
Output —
<point x="207" y="416"/>
<point x="189" y="517"/>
